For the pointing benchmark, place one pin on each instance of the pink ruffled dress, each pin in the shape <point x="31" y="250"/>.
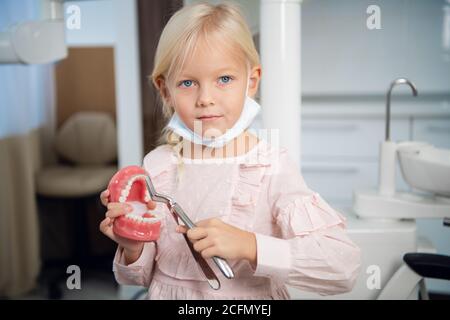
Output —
<point x="301" y="240"/>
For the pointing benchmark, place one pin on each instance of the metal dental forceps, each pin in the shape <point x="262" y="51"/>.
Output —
<point x="178" y="212"/>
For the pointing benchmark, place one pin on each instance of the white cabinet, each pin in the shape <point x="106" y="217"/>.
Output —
<point x="351" y="138"/>
<point x="336" y="180"/>
<point x="340" y="153"/>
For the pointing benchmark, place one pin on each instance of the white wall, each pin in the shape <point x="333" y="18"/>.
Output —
<point x="97" y="24"/>
<point x="340" y="55"/>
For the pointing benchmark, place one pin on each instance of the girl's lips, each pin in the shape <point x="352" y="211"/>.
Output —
<point x="209" y="118"/>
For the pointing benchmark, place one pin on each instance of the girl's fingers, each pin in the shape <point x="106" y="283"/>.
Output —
<point x="181" y="229"/>
<point x="114" y="213"/>
<point x="125" y="206"/>
<point x="106" y="228"/>
<point x="209" y="252"/>
<point x="197" y="233"/>
<point x="119" y="205"/>
<point x="194" y="234"/>
<point x="104" y="224"/>
<point x="104" y="197"/>
<point x="203" y="244"/>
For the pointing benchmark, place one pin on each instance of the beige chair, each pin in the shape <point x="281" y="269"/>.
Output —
<point x="87" y="141"/>
<point x="86" y="146"/>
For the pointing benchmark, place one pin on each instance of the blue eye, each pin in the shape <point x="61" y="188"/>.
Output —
<point x="228" y="79"/>
<point x="186" y="82"/>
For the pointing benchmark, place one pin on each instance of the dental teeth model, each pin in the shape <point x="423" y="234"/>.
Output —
<point x="128" y="186"/>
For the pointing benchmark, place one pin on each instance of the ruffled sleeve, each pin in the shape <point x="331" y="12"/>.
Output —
<point x="314" y="252"/>
<point x="137" y="273"/>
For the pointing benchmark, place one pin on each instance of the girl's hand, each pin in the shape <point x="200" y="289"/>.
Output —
<point x="132" y="248"/>
<point x="104" y="197"/>
<point x="213" y="237"/>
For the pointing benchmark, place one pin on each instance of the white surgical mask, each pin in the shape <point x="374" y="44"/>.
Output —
<point x="249" y="112"/>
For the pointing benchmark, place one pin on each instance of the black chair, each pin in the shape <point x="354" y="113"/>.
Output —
<point x="429" y="265"/>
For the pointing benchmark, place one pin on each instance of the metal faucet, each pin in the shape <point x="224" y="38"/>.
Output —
<point x="388" y="101"/>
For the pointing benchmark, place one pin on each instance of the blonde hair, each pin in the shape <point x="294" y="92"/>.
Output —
<point x="177" y="42"/>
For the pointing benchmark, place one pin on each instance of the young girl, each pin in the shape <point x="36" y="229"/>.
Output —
<point x="247" y="197"/>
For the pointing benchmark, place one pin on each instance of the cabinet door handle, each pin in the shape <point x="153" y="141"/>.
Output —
<point x="341" y="170"/>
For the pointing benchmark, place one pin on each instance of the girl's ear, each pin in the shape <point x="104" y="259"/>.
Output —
<point x="163" y="90"/>
<point x="255" y="77"/>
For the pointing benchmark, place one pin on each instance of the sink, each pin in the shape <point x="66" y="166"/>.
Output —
<point x="425" y="167"/>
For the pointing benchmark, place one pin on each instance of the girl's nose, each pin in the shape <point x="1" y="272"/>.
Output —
<point x="205" y="98"/>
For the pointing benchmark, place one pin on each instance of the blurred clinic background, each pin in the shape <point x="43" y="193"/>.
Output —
<point x="67" y="124"/>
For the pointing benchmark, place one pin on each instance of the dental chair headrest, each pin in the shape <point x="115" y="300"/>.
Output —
<point x="88" y="138"/>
